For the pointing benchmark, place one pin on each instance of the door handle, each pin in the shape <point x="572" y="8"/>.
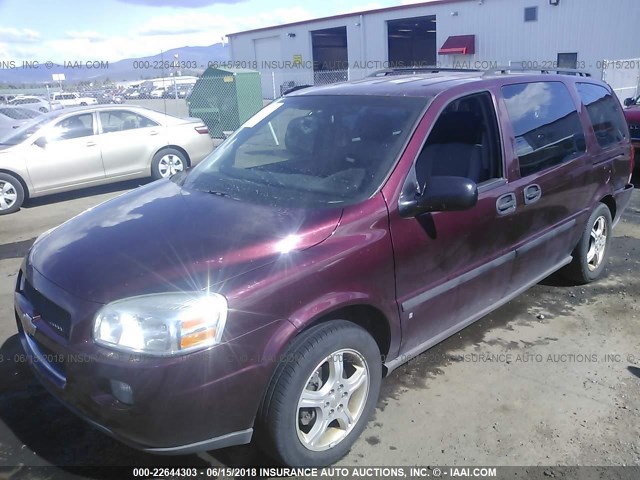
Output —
<point x="91" y="144"/>
<point x="153" y="132"/>
<point x="506" y="204"/>
<point x="532" y="194"/>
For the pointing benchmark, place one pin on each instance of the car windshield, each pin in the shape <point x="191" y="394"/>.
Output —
<point x="17" y="113"/>
<point x="312" y="150"/>
<point x="28" y="129"/>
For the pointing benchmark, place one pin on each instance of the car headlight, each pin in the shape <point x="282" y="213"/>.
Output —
<point x="162" y="324"/>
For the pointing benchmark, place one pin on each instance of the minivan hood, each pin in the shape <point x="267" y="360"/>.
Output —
<point x="161" y="238"/>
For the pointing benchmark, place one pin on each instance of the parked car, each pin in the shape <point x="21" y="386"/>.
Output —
<point x="132" y="94"/>
<point x="157" y="92"/>
<point x="73" y="99"/>
<point x="85" y="146"/>
<point x="36" y="103"/>
<point x="12" y="118"/>
<point x="181" y="90"/>
<point x="338" y="233"/>
<point x="632" y="116"/>
<point x="106" y="98"/>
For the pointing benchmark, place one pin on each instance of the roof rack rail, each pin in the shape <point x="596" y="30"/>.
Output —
<point x="426" y="69"/>
<point x="505" y="70"/>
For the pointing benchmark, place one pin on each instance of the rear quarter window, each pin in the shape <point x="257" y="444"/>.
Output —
<point x="545" y="123"/>
<point x="605" y="114"/>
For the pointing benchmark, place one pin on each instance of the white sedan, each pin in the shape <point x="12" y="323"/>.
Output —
<point x="81" y="147"/>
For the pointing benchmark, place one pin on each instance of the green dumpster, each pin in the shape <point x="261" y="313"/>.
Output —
<point x="225" y="98"/>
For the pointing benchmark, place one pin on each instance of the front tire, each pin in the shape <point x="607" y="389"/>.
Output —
<point x="167" y="162"/>
<point x="322" y="395"/>
<point x="589" y="256"/>
<point x="11" y="194"/>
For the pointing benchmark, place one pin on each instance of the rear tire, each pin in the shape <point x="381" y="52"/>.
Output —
<point x="335" y="368"/>
<point x="167" y="162"/>
<point x="590" y="255"/>
<point x="11" y="194"/>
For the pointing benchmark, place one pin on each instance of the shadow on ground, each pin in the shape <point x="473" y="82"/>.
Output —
<point x="86" y="192"/>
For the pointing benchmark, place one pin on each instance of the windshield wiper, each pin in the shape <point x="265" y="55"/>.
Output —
<point x="221" y="194"/>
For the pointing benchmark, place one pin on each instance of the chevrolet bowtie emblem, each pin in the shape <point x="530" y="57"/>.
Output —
<point x="28" y="323"/>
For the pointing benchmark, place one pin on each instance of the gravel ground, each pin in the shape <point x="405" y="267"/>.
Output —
<point x="551" y="378"/>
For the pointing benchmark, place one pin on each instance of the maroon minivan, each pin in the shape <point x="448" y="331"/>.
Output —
<point x="338" y="233"/>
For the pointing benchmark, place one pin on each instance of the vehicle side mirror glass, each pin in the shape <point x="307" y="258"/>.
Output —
<point x="442" y="194"/>
<point x="628" y="102"/>
<point x="41" y="142"/>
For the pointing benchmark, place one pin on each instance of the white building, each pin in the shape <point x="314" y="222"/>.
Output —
<point x="539" y="34"/>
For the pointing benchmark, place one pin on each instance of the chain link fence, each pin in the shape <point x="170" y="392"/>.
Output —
<point x="225" y="99"/>
<point x="623" y="76"/>
<point x="276" y="83"/>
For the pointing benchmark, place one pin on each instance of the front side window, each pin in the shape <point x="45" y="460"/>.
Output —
<point x="121" y="120"/>
<point x="604" y="112"/>
<point x="545" y="123"/>
<point x="311" y="151"/>
<point x="464" y="142"/>
<point x="76" y="126"/>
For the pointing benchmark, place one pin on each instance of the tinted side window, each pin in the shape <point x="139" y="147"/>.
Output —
<point x="604" y="112"/>
<point x="120" y="120"/>
<point x="546" y="124"/>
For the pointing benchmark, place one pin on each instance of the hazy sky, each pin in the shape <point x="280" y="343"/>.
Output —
<point x="114" y="29"/>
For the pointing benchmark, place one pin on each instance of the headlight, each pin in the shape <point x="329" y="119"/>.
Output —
<point x="162" y="324"/>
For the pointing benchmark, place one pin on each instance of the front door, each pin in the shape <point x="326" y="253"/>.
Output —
<point x="452" y="267"/>
<point x="70" y="156"/>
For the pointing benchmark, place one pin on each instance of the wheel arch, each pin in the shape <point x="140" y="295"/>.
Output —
<point x="366" y="316"/>
<point x="610" y="202"/>
<point x="180" y="149"/>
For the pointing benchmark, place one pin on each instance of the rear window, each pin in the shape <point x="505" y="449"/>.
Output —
<point x="605" y="114"/>
<point x="545" y="123"/>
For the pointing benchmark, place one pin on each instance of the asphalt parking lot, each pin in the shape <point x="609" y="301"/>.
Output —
<point x="552" y="378"/>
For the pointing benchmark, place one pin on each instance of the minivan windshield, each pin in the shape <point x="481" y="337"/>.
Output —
<point x="310" y="150"/>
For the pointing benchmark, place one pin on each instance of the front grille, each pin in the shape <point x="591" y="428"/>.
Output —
<point x="634" y="128"/>
<point x="53" y="315"/>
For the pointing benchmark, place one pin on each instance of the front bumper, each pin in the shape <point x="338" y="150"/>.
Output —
<point x="177" y="405"/>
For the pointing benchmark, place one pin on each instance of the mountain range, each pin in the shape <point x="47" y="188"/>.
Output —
<point x="194" y="60"/>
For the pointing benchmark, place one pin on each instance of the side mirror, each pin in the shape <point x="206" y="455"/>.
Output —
<point x="442" y="194"/>
<point x="41" y="142"/>
<point x="629" y="101"/>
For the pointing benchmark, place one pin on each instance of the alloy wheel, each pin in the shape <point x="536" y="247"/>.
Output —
<point x="333" y="400"/>
<point x="597" y="243"/>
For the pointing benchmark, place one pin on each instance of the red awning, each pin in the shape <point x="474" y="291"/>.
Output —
<point x="459" y="45"/>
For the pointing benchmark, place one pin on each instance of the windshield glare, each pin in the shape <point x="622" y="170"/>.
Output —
<point x="311" y="150"/>
<point x="27" y="130"/>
